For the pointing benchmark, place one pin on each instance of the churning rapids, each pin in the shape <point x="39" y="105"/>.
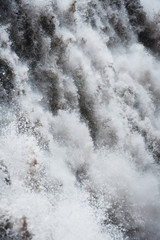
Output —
<point x="79" y="120"/>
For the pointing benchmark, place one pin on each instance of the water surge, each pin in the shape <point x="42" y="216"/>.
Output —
<point x="79" y="120"/>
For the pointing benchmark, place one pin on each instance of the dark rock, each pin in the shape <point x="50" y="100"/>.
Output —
<point x="47" y="25"/>
<point x="5" y="11"/>
<point x="6" y="81"/>
<point x="25" y="35"/>
<point x="5" y="173"/>
<point x="147" y="31"/>
<point x="7" y="232"/>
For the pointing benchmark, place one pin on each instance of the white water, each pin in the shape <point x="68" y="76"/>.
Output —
<point x="81" y="142"/>
<point x="151" y="7"/>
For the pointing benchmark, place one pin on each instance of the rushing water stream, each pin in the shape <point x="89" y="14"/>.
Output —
<point x="79" y="120"/>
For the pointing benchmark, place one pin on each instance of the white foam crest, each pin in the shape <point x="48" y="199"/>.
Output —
<point x="151" y="8"/>
<point x="64" y="5"/>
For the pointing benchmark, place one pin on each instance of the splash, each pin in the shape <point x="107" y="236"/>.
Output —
<point x="79" y="126"/>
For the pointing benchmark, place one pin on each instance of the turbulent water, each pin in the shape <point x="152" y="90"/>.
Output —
<point x="79" y="120"/>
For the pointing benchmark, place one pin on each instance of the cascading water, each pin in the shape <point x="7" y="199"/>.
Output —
<point x="79" y="120"/>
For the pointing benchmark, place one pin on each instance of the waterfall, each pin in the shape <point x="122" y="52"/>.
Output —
<point x="79" y="120"/>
